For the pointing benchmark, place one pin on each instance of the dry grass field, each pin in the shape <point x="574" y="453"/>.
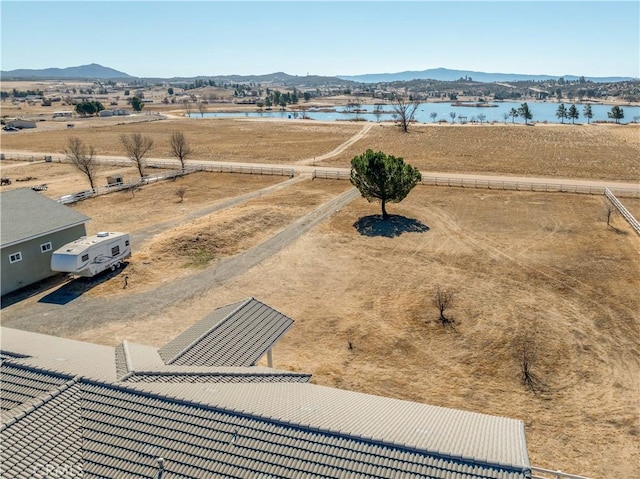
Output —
<point x="603" y="152"/>
<point x="190" y="242"/>
<point x="536" y="264"/>
<point x="210" y="139"/>
<point x="599" y="152"/>
<point x="542" y="266"/>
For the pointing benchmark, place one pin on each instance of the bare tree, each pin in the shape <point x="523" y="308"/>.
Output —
<point x="202" y="108"/>
<point x="180" y="148"/>
<point x="137" y="145"/>
<point x="187" y="106"/>
<point x="526" y="353"/>
<point x="180" y="192"/>
<point x="443" y="300"/>
<point x="404" y="112"/>
<point x="609" y="211"/>
<point x="83" y="157"/>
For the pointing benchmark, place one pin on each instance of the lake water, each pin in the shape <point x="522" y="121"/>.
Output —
<point x="542" y="112"/>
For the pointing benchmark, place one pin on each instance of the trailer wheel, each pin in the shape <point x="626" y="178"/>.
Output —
<point x="113" y="267"/>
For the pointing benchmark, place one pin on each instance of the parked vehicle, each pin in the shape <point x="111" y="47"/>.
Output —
<point x="91" y="255"/>
<point x="5" y="180"/>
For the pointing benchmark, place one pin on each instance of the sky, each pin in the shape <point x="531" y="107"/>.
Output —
<point x="182" y="38"/>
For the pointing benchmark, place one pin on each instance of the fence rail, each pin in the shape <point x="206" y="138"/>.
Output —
<point x="498" y="184"/>
<point x="331" y="175"/>
<point x="345" y="175"/>
<point x="540" y="473"/>
<point x="623" y="211"/>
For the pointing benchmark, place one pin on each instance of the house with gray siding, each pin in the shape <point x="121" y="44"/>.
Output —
<point x="32" y="226"/>
<point x="190" y="410"/>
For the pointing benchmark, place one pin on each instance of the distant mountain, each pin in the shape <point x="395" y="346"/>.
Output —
<point x="82" y="72"/>
<point x="444" y="74"/>
<point x="278" y="78"/>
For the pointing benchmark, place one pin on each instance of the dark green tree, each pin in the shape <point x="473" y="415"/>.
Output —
<point x="89" y="107"/>
<point x="525" y="112"/>
<point x="170" y="90"/>
<point x="514" y="114"/>
<point x="588" y="114"/>
<point x="561" y="112"/>
<point x="616" y="113"/>
<point x="573" y="113"/>
<point x="136" y="104"/>
<point x="382" y="177"/>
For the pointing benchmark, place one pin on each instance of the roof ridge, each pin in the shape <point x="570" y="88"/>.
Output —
<point x="23" y="410"/>
<point x="127" y="355"/>
<point x="274" y="372"/>
<point x="243" y="303"/>
<point x="134" y="389"/>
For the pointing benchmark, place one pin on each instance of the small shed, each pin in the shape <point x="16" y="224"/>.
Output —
<point x="105" y="113"/>
<point x="114" y="180"/>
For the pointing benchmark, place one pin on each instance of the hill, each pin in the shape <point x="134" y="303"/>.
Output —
<point x="91" y="72"/>
<point x="444" y="74"/>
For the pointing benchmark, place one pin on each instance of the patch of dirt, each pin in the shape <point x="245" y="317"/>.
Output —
<point x="544" y="264"/>
<point x="517" y="261"/>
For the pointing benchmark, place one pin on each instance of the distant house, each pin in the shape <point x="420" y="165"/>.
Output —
<point x="198" y="407"/>
<point x="62" y="114"/>
<point x="105" y="113"/>
<point x="31" y="228"/>
<point x="121" y="112"/>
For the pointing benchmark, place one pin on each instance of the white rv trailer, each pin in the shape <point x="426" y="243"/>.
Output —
<point x="91" y="255"/>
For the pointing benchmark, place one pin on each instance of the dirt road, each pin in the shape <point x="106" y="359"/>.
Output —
<point x="67" y="316"/>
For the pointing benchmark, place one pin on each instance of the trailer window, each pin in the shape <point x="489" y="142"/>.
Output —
<point x="85" y="257"/>
<point x="15" y="257"/>
<point x="45" y="247"/>
<point x="115" y="251"/>
<point x="126" y="242"/>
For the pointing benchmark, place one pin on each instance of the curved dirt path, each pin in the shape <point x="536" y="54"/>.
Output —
<point x="148" y="233"/>
<point x="336" y="151"/>
<point x="85" y="313"/>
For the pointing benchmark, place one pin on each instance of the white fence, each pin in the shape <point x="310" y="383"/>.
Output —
<point x="497" y="184"/>
<point x="102" y="190"/>
<point x="623" y="211"/>
<point x="539" y="473"/>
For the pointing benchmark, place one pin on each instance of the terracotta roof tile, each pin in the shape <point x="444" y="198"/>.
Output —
<point x="235" y="335"/>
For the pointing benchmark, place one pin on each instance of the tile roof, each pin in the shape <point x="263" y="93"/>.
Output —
<point x="235" y="335"/>
<point x="444" y="432"/>
<point x="60" y="355"/>
<point x="20" y="384"/>
<point x="27" y="214"/>
<point x="140" y="363"/>
<point x="112" y="412"/>
<point x="45" y="439"/>
<point x="125" y="430"/>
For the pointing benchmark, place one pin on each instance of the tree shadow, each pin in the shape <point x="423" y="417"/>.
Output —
<point x="78" y="286"/>
<point x="395" y="225"/>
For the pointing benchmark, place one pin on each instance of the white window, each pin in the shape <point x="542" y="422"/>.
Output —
<point x="15" y="257"/>
<point x="45" y="247"/>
